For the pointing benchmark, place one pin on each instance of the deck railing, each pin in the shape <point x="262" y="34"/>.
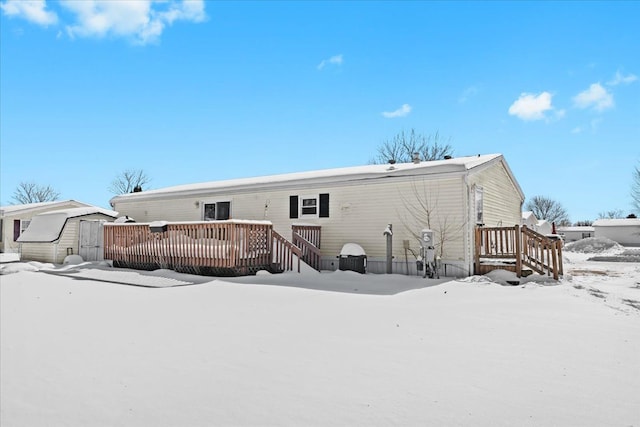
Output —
<point x="521" y="246"/>
<point x="310" y="252"/>
<point x="203" y="247"/>
<point x="311" y="233"/>
<point x="285" y="254"/>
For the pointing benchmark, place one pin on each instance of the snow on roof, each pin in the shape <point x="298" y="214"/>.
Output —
<point x="352" y="249"/>
<point x="617" y="222"/>
<point x="13" y="209"/>
<point x="46" y="227"/>
<point x="527" y="214"/>
<point x="459" y="164"/>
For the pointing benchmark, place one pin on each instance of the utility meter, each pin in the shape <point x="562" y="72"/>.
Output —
<point x="427" y="244"/>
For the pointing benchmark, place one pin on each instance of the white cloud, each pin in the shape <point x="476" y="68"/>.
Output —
<point x="531" y="107"/>
<point x="618" y="78"/>
<point x="31" y="10"/>
<point x="400" y="112"/>
<point x="469" y="92"/>
<point x="142" y="20"/>
<point x="334" y="60"/>
<point x="595" y="97"/>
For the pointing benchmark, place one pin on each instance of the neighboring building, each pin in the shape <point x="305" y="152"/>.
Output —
<point x="14" y="219"/>
<point x="529" y="219"/>
<point x="572" y="234"/>
<point x="624" y="231"/>
<point x="541" y="226"/>
<point x="51" y="236"/>
<point x="355" y="205"/>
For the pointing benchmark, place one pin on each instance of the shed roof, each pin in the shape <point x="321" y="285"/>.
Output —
<point x="326" y="176"/>
<point x="47" y="227"/>
<point x="24" y="208"/>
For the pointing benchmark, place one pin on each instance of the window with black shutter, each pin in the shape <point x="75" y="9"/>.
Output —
<point x="324" y="205"/>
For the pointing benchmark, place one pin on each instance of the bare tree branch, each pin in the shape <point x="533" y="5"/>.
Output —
<point x="635" y="189"/>
<point x="129" y="181"/>
<point x="548" y="209"/>
<point x="30" y="192"/>
<point x="402" y="147"/>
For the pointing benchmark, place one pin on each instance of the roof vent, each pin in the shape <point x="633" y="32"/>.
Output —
<point x="448" y="157"/>
<point x="392" y="161"/>
<point x="416" y="158"/>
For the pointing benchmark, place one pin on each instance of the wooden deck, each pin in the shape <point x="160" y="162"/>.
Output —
<point x="514" y="249"/>
<point x="220" y="248"/>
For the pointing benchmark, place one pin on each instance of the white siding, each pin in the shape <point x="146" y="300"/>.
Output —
<point x="56" y="251"/>
<point x="502" y="201"/>
<point x="7" y="244"/>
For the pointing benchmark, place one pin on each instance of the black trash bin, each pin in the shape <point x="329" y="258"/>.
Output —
<point x="352" y="258"/>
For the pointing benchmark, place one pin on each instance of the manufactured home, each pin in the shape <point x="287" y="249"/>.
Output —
<point x="358" y="205"/>
<point x="625" y="231"/>
<point x="575" y="233"/>
<point x="14" y="220"/>
<point x="51" y="236"/>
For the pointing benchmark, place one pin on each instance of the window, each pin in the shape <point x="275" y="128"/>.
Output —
<point x="18" y="227"/>
<point x="311" y="206"/>
<point x="479" y="196"/>
<point x="217" y="211"/>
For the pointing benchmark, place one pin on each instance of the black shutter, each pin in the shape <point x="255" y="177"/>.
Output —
<point x="293" y="206"/>
<point x="324" y="205"/>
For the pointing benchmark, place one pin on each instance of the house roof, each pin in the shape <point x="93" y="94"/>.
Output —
<point x="326" y="176"/>
<point x="24" y="208"/>
<point x="47" y="227"/>
<point x="617" y="222"/>
<point x="579" y="228"/>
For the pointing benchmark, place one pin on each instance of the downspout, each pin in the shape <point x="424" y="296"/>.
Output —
<point x="469" y="231"/>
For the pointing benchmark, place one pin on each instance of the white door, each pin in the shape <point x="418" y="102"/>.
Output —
<point x="91" y="240"/>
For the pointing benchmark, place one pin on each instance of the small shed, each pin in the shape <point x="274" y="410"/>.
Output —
<point x="624" y="231"/>
<point x="14" y="220"/>
<point x="51" y="236"/>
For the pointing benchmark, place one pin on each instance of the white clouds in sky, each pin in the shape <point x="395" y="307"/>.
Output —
<point x="400" y="112"/>
<point x="619" y="78"/>
<point x="334" y="60"/>
<point x="142" y="21"/>
<point x="596" y="97"/>
<point x="530" y="106"/>
<point x="31" y="10"/>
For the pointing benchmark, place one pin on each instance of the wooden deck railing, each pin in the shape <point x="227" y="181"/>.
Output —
<point x="227" y="247"/>
<point x="285" y="254"/>
<point x="311" y="233"/>
<point x="519" y="245"/>
<point x="310" y="252"/>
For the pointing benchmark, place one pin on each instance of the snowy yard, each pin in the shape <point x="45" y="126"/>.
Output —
<point x="80" y="348"/>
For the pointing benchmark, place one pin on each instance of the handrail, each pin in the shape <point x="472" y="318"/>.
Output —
<point x="310" y="253"/>
<point x="284" y="251"/>
<point x="521" y="244"/>
<point x="311" y="233"/>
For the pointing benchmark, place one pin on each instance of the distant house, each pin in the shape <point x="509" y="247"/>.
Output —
<point x="541" y="226"/>
<point x="356" y="204"/>
<point x="572" y="234"/>
<point x="51" y="236"/>
<point x="624" y="231"/>
<point x="14" y="219"/>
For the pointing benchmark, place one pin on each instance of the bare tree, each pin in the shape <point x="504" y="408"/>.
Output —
<point x="129" y="181"/>
<point x="635" y="189"/>
<point x="421" y="211"/>
<point x="583" y="223"/>
<point x="402" y="147"/>
<point x="30" y="192"/>
<point x="548" y="209"/>
<point x="612" y="214"/>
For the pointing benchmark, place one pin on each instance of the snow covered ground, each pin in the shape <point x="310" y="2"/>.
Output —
<point x="81" y="347"/>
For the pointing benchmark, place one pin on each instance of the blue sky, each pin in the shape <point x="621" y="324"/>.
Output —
<point x="204" y="91"/>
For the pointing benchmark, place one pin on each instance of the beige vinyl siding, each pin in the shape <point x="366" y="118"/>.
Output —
<point x="502" y="202"/>
<point x="56" y="251"/>
<point x="7" y="244"/>
<point x="357" y="213"/>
